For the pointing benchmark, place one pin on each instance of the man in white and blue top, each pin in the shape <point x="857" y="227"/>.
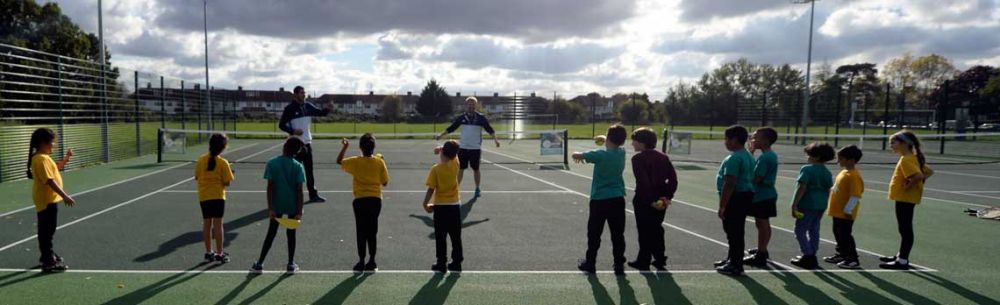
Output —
<point x="470" y="141"/>
<point x="295" y="120"/>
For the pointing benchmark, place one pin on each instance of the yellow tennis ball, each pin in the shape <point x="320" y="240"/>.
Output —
<point x="599" y="140"/>
<point x="798" y="215"/>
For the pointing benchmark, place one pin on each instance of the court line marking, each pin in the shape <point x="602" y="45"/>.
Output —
<point x="392" y="191"/>
<point x="925" y="187"/>
<point x="975" y="192"/>
<point x="748" y="219"/>
<point x="630" y="211"/>
<point x="92" y="215"/>
<point x="484" y="272"/>
<point x="924" y="197"/>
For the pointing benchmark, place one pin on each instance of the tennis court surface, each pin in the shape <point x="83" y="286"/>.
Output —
<point x="135" y="235"/>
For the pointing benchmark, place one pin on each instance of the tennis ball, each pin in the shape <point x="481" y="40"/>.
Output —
<point x="121" y="286"/>
<point x="599" y="140"/>
<point x="659" y="204"/>
<point x="798" y="215"/>
<point x="298" y="132"/>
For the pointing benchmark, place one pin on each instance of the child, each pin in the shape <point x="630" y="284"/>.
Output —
<point x="213" y="175"/>
<point x="810" y="202"/>
<point x="845" y="199"/>
<point x="442" y="184"/>
<point x="733" y="182"/>
<point x="284" y="177"/>
<point x="607" y="199"/>
<point x="655" y="184"/>
<point x="370" y="175"/>
<point x="46" y="192"/>
<point x="765" y="197"/>
<point x="906" y="188"/>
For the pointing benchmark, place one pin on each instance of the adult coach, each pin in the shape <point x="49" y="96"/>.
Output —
<point x="295" y="120"/>
<point x="470" y="141"/>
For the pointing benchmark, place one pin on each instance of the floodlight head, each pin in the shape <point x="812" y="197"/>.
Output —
<point x="802" y="1"/>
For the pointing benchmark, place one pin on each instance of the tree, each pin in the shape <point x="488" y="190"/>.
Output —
<point x="966" y="90"/>
<point x="930" y="71"/>
<point x="567" y="111"/>
<point x="434" y="101"/>
<point x="634" y="110"/>
<point x="45" y="28"/>
<point x="392" y="108"/>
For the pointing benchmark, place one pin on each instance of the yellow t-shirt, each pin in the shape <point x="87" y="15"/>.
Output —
<point x="212" y="184"/>
<point x="370" y="174"/>
<point x="848" y="184"/>
<point x="907" y="166"/>
<point x="443" y="178"/>
<point x="44" y="169"/>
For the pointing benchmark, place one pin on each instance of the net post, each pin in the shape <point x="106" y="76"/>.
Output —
<point x="566" y="148"/>
<point x="943" y="117"/>
<point x="135" y="116"/>
<point x="885" y="116"/>
<point x="664" y="140"/>
<point x="159" y="145"/>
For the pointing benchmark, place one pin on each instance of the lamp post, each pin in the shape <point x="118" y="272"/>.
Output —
<point x="805" y="101"/>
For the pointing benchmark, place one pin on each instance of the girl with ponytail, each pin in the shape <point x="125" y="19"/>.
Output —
<point x="213" y="174"/>
<point x="906" y="188"/>
<point x="47" y="191"/>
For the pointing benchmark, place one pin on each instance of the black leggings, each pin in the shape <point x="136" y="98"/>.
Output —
<point x="842" y="232"/>
<point x="272" y="229"/>
<point x="611" y="211"/>
<point x="366" y="211"/>
<point x="649" y="226"/>
<point x="448" y="223"/>
<point x="904" y="218"/>
<point x="734" y="224"/>
<point x="46" y="232"/>
<point x="306" y="157"/>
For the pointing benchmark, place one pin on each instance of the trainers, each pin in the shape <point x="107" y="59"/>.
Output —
<point x="54" y="267"/>
<point x="316" y="198"/>
<point x="209" y="257"/>
<point x="439" y="267"/>
<point x="639" y="266"/>
<point x="620" y="269"/>
<point x="660" y="266"/>
<point x="455" y="267"/>
<point x="835" y="259"/>
<point x="849" y="264"/>
<point x="730" y="269"/>
<point x="586" y="267"/>
<point x="757" y="259"/>
<point x="292" y="268"/>
<point x="478" y="192"/>
<point x="222" y="257"/>
<point x="359" y="267"/>
<point x="895" y="265"/>
<point x="805" y="261"/>
<point x="371" y="267"/>
<point x="721" y="263"/>
<point x="257" y="268"/>
<point x="752" y="251"/>
<point x="886" y="259"/>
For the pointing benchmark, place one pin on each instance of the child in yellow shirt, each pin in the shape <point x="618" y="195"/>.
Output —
<point x="46" y="192"/>
<point x="845" y="198"/>
<point x="442" y="185"/>
<point x="213" y="174"/>
<point x="906" y="188"/>
<point x="370" y="175"/>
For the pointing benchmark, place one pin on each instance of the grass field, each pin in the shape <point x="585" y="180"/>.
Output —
<point x="135" y="238"/>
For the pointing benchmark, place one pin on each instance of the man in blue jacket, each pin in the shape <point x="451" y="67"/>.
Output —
<point x="295" y="120"/>
<point x="470" y="141"/>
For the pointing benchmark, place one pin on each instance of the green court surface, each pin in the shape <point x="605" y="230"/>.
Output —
<point x="134" y="237"/>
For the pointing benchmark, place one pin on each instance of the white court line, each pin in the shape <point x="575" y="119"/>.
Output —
<point x="119" y="205"/>
<point x="627" y="210"/>
<point x="485" y="272"/>
<point x="392" y="191"/>
<point x="976" y="192"/>
<point x="748" y="219"/>
<point x="116" y="183"/>
<point x="924" y="197"/>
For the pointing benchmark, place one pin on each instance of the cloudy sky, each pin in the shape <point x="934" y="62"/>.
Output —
<point x="484" y="46"/>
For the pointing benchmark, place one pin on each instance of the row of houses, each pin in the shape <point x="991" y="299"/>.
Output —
<point x="270" y="102"/>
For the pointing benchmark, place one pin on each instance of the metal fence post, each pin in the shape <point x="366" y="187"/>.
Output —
<point x="135" y="115"/>
<point x="942" y="116"/>
<point x="163" y="104"/>
<point x="183" y="107"/>
<point x="885" y="116"/>
<point x="62" y="115"/>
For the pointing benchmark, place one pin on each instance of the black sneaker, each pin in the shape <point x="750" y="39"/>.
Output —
<point x="835" y="259"/>
<point x="54" y="267"/>
<point x="257" y="268"/>
<point x="730" y="269"/>
<point x="887" y="259"/>
<point x="222" y="257"/>
<point x="757" y="259"/>
<point x="316" y="198"/>
<point x="359" y="267"/>
<point x="852" y="264"/>
<point x="371" y="267"/>
<point x="439" y="267"/>
<point x="455" y="267"/>
<point x="805" y="261"/>
<point x="639" y="266"/>
<point x="752" y="251"/>
<point x="895" y="265"/>
<point x="620" y="269"/>
<point x="721" y="263"/>
<point x="586" y="267"/>
<point x="660" y="266"/>
<point x="209" y="257"/>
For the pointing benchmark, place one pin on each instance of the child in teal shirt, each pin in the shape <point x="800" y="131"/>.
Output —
<point x="765" y="197"/>
<point x="607" y="199"/>
<point x="735" y="186"/>
<point x="811" y="197"/>
<point x="284" y="176"/>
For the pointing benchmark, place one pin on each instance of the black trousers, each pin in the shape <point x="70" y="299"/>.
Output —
<point x="366" y="211"/>
<point x="272" y="230"/>
<point x="649" y="225"/>
<point x="904" y="219"/>
<point x="611" y="211"/>
<point x="306" y="157"/>
<point x="46" y="231"/>
<point x="842" y="232"/>
<point x="734" y="222"/>
<point x="448" y="223"/>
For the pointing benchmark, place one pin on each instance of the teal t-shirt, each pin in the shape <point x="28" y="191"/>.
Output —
<point x="740" y="164"/>
<point x="818" y="181"/>
<point x="767" y="167"/>
<point x="285" y="173"/>
<point x="608" y="166"/>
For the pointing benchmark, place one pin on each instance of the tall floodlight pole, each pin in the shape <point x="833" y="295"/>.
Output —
<point x="208" y="87"/>
<point x="106" y="151"/>
<point x="805" y="100"/>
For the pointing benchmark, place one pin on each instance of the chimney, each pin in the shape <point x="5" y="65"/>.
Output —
<point x="371" y="92"/>
<point x="408" y="93"/>
<point x="496" y="94"/>
<point x="282" y="89"/>
<point x="458" y="94"/>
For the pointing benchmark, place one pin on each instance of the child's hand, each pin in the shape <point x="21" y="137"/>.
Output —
<point x="344" y="142"/>
<point x="429" y="208"/>
<point x="298" y="216"/>
<point x="297" y="132"/>
<point x="69" y="154"/>
<point x="271" y="214"/>
<point x="437" y="150"/>
<point x="69" y="201"/>
<point x="722" y="213"/>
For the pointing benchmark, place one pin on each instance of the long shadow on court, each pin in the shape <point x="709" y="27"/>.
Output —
<point x="236" y="291"/>
<point x="435" y="292"/>
<point x="760" y="294"/>
<point x="956" y="288"/>
<point x="194" y="237"/>
<point x="600" y="293"/>
<point x="145" y="293"/>
<point x="854" y="292"/>
<point x="664" y="289"/>
<point x="339" y="293"/>
<point x="900" y="292"/>
<point x="253" y="298"/>
<point x="464" y="211"/>
<point x="34" y="275"/>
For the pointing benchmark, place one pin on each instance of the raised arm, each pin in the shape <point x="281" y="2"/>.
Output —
<point x="285" y="122"/>
<point x="343" y="150"/>
<point x="62" y="164"/>
<point x="455" y="123"/>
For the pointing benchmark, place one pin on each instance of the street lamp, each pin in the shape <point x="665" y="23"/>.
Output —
<point x="805" y="101"/>
<point x="208" y="88"/>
